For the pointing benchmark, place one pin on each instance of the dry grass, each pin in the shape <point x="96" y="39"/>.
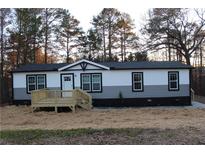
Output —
<point x="21" y="118"/>
<point x="135" y="136"/>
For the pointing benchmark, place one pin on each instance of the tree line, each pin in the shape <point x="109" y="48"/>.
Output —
<point x="31" y="35"/>
<point x="177" y="32"/>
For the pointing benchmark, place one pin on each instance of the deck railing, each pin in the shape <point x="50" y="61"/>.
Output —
<point x="58" y="98"/>
<point x="45" y="94"/>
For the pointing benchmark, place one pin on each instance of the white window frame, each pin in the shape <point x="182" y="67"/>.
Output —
<point x="86" y="82"/>
<point x="96" y="82"/>
<point x="170" y="81"/>
<point x="37" y="84"/>
<point x="36" y="81"/>
<point x="141" y="81"/>
<point x="28" y="84"/>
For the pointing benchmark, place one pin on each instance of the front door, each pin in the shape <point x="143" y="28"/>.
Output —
<point x="67" y="84"/>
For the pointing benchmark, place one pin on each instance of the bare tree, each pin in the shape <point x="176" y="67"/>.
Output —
<point x="175" y="25"/>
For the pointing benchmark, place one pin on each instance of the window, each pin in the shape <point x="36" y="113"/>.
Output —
<point x="91" y="82"/>
<point x="41" y="82"/>
<point x="86" y="82"/>
<point x="35" y="82"/>
<point x="31" y="83"/>
<point x="137" y="81"/>
<point x="173" y="79"/>
<point x="67" y="78"/>
<point x="96" y="82"/>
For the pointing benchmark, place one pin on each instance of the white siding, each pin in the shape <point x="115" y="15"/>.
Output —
<point x="53" y="79"/>
<point x="110" y="78"/>
<point x="124" y="77"/>
<point x="19" y="80"/>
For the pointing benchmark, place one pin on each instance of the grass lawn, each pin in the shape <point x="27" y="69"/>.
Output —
<point x="104" y="136"/>
<point x="19" y="125"/>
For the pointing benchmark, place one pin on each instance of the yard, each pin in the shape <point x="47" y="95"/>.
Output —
<point x="103" y="126"/>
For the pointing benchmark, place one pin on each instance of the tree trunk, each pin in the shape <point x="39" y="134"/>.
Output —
<point x="124" y="46"/>
<point x="46" y="36"/>
<point x="2" y="45"/>
<point x="2" y="59"/>
<point x="34" y="51"/>
<point x="169" y="50"/>
<point x="67" y="47"/>
<point x="201" y="56"/>
<point x="19" y="42"/>
<point x="104" y="47"/>
<point x="109" y="40"/>
<point x="121" y="42"/>
<point x="187" y="57"/>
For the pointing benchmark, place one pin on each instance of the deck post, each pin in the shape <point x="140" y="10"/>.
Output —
<point x="56" y="109"/>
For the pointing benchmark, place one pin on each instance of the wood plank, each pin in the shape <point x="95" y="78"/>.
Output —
<point x="53" y="98"/>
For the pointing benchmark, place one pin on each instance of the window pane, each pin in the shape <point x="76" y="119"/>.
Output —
<point x="31" y="79"/>
<point x="173" y="85"/>
<point x="96" y="86"/>
<point x="137" y="86"/>
<point x="67" y="78"/>
<point x="41" y="79"/>
<point x="86" y="86"/>
<point x="86" y="78"/>
<point x="137" y="77"/>
<point x="31" y="87"/>
<point x="41" y="86"/>
<point x="96" y="78"/>
<point x="173" y="76"/>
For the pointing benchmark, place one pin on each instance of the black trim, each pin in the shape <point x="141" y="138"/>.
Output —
<point x="83" y="65"/>
<point x="111" y="68"/>
<point x="67" y="74"/>
<point x="134" y="90"/>
<point x="139" y="102"/>
<point x="36" y="81"/>
<point x="37" y="71"/>
<point x="91" y="91"/>
<point x="22" y="102"/>
<point x="132" y="102"/>
<point x="177" y="72"/>
<point x="174" y="68"/>
<point x="80" y="70"/>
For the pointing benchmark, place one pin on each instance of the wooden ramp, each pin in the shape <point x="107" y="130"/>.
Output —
<point x="61" y="98"/>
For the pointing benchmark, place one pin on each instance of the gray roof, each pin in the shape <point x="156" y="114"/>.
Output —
<point x="145" y="65"/>
<point x="111" y="65"/>
<point x="39" y="67"/>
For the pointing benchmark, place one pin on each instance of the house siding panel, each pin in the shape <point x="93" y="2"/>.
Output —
<point x="21" y="94"/>
<point x="113" y="81"/>
<point x="149" y="91"/>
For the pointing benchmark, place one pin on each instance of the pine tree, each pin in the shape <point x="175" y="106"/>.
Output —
<point x="69" y="34"/>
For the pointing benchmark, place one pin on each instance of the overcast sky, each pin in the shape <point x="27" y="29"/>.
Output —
<point x="85" y="15"/>
<point x="84" y="10"/>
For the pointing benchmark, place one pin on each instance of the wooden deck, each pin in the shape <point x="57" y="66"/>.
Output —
<point x="61" y="98"/>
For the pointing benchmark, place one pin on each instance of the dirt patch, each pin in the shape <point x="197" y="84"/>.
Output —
<point x="21" y="118"/>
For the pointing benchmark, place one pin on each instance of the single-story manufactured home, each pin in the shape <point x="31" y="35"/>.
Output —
<point x="111" y="84"/>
